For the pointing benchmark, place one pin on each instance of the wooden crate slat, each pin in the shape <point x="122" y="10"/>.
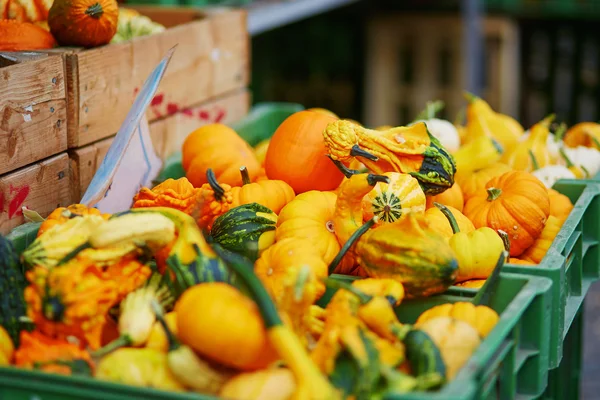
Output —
<point x="33" y="112"/>
<point x="211" y="59"/>
<point x="42" y="187"/>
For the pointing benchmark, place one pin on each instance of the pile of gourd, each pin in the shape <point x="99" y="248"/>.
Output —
<point x="39" y="25"/>
<point x="215" y="282"/>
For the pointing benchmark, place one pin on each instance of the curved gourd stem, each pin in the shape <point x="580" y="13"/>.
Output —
<point x="284" y="341"/>
<point x="470" y="97"/>
<point x="372" y="179"/>
<point x="448" y="214"/>
<point x="245" y="176"/>
<point x="484" y="295"/>
<point x="505" y="242"/>
<point x="534" y="162"/>
<point x="560" y="132"/>
<point x="121" y="341"/>
<point x="493" y="193"/>
<point x="337" y="284"/>
<point x="356" y="151"/>
<point x="174" y="343"/>
<point x="343" y="169"/>
<point x="430" y="110"/>
<point x="214" y="185"/>
<point x="350" y="242"/>
<point x="565" y="157"/>
<point x="548" y="120"/>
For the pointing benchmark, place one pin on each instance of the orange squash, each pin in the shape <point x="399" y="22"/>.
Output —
<point x="516" y="203"/>
<point x="560" y="205"/>
<point x="439" y="223"/>
<point x="452" y="197"/>
<point x="310" y="216"/>
<point x="23" y="36"/>
<point x="85" y="23"/>
<point x="272" y="194"/>
<point x="297" y="153"/>
<point x="61" y="215"/>
<point x="472" y="183"/>
<point x="218" y="147"/>
<point x="172" y="193"/>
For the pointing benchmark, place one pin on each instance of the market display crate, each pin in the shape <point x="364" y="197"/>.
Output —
<point x="572" y="262"/>
<point x="33" y="109"/>
<point x="42" y="186"/>
<point x="413" y="58"/>
<point x="167" y="135"/>
<point x="212" y="58"/>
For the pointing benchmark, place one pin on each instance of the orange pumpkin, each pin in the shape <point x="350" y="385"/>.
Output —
<point x="310" y="216"/>
<point x="560" y="205"/>
<point x="297" y="153"/>
<point x="22" y="36"/>
<point x="515" y="202"/>
<point x="85" y="23"/>
<point x="439" y="223"/>
<point x="61" y="215"/>
<point x="178" y="194"/>
<point x="452" y="197"/>
<point x="272" y="194"/>
<point x="473" y="182"/>
<point x="218" y="147"/>
<point x="215" y="199"/>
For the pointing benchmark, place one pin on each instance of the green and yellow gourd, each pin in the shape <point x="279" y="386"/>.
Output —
<point x="247" y="230"/>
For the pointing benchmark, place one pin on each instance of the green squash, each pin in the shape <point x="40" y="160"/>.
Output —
<point x="410" y="252"/>
<point x="246" y="230"/>
<point x="12" y="285"/>
<point x="423" y="355"/>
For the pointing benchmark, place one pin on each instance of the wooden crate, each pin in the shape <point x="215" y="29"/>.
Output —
<point x="212" y="58"/>
<point x="413" y="58"/>
<point x="33" y="109"/>
<point x="42" y="187"/>
<point x="167" y="135"/>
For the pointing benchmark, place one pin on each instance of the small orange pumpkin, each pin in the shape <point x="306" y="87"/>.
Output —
<point x="473" y="182"/>
<point x="23" y="36"/>
<point x="452" y="197"/>
<point x="516" y="203"/>
<point x="560" y="205"/>
<point x="297" y="153"/>
<point x="61" y="215"/>
<point x="272" y="194"/>
<point x="218" y="147"/>
<point x="85" y="23"/>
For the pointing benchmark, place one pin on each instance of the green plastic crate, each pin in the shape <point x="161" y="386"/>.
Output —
<point x="512" y="361"/>
<point x="564" y="381"/>
<point x="573" y="261"/>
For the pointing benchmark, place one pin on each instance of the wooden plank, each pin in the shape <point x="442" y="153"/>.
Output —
<point x="167" y="135"/>
<point x="42" y="187"/>
<point x="32" y="111"/>
<point x="212" y="58"/>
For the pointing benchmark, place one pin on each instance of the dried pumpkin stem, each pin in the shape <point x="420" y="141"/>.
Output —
<point x="350" y="242"/>
<point x="534" y="162"/>
<point x="356" y="151"/>
<point x="214" y="185"/>
<point x="448" y="214"/>
<point x="493" y="193"/>
<point x="245" y="176"/>
<point x="505" y="241"/>
<point x="95" y="10"/>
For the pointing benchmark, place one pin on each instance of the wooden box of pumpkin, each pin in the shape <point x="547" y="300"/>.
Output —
<point x="212" y="58"/>
<point x="33" y="107"/>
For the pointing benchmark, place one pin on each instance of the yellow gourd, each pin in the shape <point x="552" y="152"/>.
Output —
<point x="520" y="159"/>
<point x="267" y="384"/>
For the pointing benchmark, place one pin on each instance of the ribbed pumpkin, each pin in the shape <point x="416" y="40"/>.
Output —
<point x="85" y="23"/>
<point x="410" y="252"/>
<point x="452" y="197"/>
<point x="439" y="223"/>
<point x="248" y="230"/>
<point x="23" y="36"/>
<point x="273" y="194"/>
<point x="471" y="183"/>
<point x="310" y="216"/>
<point x="390" y="201"/>
<point x="516" y="203"/>
<point x="481" y="318"/>
<point x="218" y="147"/>
<point x="297" y="153"/>
<point x="560" y="205"/>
